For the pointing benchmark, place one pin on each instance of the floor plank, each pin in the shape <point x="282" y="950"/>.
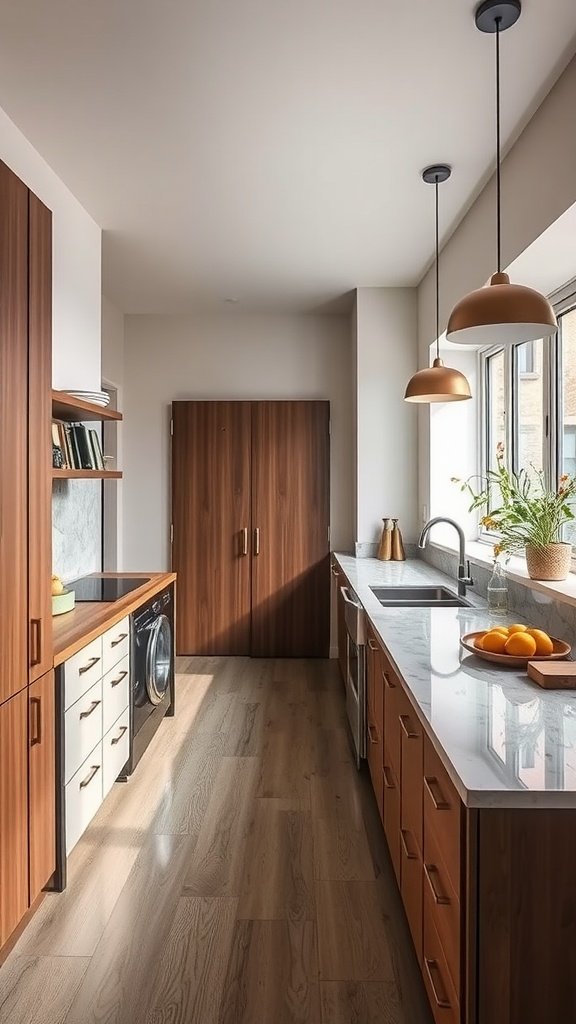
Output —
<point x="352" y="933"/>
<point x="190" y="979"/>
<point x="341" y="851"/>
<point x="272" y="975"/>
<point x="360" y="1002"/>
<point x="33" y="987"/>
<point x="278" y="878"/>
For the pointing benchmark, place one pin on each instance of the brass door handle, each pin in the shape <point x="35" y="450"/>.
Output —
<point x="93" y="706"/>
<point x="441" y="1000"/>
<point x="86" y="668"/>
<point x="257" y="540"/>
<point x="430" y="870"/>
<point x="409" y="856"/>
<point x="372" y="644"/>
<point x="118" y="680"/>
<point x="114" y="643"/>
<point x="35" y="641"/>
<point x="93" y="771"/>
<point x="438" y="799"/>
<point x="244" y="541"/>
<point x="405" y="723"/>
<point x="36" y="733"/>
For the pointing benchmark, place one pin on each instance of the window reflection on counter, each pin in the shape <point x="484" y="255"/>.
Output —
<point x="535" y="745"/>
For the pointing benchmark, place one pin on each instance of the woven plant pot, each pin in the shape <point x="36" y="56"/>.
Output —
<point x="551" y="562"/>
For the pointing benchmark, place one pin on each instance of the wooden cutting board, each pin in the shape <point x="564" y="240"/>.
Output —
<point x="553" y="675"/>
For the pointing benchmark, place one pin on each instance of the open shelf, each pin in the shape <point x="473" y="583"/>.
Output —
<point x="86" y="474"/>
<point x="74" y="410"/>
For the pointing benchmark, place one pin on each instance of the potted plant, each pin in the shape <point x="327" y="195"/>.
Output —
<point x="529" y="516"/>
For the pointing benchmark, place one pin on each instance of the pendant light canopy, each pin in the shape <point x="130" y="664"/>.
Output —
<point x="500" y="312"/>
<point x="437" y="383"/>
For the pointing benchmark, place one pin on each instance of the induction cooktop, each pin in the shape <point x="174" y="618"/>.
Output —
<point x="95" y="588"/>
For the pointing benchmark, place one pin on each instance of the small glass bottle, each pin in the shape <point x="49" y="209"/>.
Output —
<point x="498" y="591"/>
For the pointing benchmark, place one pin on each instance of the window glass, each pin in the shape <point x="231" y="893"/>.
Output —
<point x="530" y="425"/>
<point x="568" y="342"/>
<point x="495" y="368"/>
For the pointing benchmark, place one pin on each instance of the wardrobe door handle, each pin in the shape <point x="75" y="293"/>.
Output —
<point x="36" y="733"/>
<point x="405" y="723"/>
<point x="257" y="541"/>
<point x="441" y="1000"/>
<point x="430" y="870"/>
<point x="93" y="706"/>
<point x="245" y="541"/>
<point x="86" y="668"/>
<point x="439" y="801"/>
<point x="35" y="641"/>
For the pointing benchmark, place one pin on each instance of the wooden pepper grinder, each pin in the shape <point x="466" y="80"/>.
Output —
<point x="385" y="549"/>
<point x="398" y="553"/>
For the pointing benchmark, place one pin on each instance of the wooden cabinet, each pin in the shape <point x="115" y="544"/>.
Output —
<point x="250" y="510"/>
<point x="339" y="580"/>
<point x="411" y="823"/>
<point x="13" y="813"/>
<point x="375" y="719"/>
<point x="42" y="774"/>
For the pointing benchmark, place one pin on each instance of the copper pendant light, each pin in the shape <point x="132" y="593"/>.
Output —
<point x="437" y="383"/>
<point x="500" y="312"/>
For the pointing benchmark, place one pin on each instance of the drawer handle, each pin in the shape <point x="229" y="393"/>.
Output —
<point x="371" y="730"/>
<point x="36" y="730"/>
<point x="91" y="709"/>
<point x="441" y="1000"/>
<point x="372" y="644"/>
<point x="409" y="856"/>
<point x="123" y="729"/>
<point x="438" y="799"/>
<point x="405" y="723"/>
<point x="430" y="870"/>
<point x="86" y="668"/>
<point x="114" y="643"/>
<point x="35" y="641"/>
<point x="93" y="771"/>
<point x="387" y="776"/>
<point x="335" y="572"/>
<point x="388" y="681"/>
<point x="118" y="680"/>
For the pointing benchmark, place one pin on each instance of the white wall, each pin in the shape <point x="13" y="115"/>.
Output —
<point x="236" y="356"/>
<point x="76" y="265"/>
<point x="113" y="374"/>
<point x="386" y="350"/>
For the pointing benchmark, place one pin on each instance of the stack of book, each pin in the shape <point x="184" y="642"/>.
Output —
<point x="75" y="446"/>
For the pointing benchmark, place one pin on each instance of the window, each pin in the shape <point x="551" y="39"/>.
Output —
<point x="529" y="400"/>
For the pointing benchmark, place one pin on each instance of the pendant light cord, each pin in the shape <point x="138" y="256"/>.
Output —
<point x="498" y="182"/>
<point x="437" y="278"/>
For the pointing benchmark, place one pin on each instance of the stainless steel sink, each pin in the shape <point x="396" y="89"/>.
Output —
<point x="419" y="597"/>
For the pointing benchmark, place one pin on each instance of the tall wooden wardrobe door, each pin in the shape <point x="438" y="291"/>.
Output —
<point x="13" y="429"/>
<point x="290" y="524"/>
<point x="211" y="526"/>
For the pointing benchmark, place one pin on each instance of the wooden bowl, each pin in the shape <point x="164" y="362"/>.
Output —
<point x="561" y="650"/>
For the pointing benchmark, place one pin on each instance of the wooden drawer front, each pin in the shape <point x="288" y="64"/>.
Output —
<point x="439" y="988"/>
<point x="442" y="905"/>
<point x="82" y="729"/>
<point x="115" y="692"/>
<point x="411" y="886"/>
<point x="375" y="754"/>
<point x="412" y="755"/>
<point x="392" y="813"/>
<point x="83" y="797"/>
<point x="82" y="670"/>
<point x="393" y="694"/>
<point x="116" y="747"/>
<point x="443" y="814"/>
<point x="116" y="644"/>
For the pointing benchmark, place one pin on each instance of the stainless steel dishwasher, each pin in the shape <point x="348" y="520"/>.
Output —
<point x="355" y="671"/>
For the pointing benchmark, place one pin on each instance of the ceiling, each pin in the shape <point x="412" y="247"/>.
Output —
<point x="268" y="149"/>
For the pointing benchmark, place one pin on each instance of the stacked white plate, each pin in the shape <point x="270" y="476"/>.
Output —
<point x="97" y="397"/>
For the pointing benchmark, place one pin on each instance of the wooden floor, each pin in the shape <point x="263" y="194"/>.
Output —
<point x="241" y="876"/>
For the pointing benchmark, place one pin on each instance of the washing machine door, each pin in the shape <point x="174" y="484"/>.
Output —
<point x="159" y="659"/>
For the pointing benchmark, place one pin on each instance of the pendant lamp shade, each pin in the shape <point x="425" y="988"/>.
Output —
<point x="437" y="383"/>
<point x="500" y="313"/>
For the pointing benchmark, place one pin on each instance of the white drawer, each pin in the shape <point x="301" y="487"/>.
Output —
<point x="116" y="692"/>
<point x="82" y="729"/>
<point x="116" y="643"/>
<point x="83" y="797"/>
<point x="116" y="747"/>
<point x="82" y="670"/>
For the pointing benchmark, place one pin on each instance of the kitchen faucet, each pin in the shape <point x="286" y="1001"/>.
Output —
<point x="464" y="578"/>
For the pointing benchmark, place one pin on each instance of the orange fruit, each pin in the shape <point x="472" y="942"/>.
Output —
<point x="544" y="645"/>
<point x="517" y="628"/>
<point x="479" y="642"/>
<point x="521" y="645"/>
<point x="500" y="629"/>
<point x="494" y="642"/>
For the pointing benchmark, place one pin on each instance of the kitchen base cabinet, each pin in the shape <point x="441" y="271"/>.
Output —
<point x="13" y="813"/>
<point x="441" y="995"/>
<point x="42" y="768"/>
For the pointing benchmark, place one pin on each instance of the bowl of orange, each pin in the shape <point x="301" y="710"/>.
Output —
<point x="515" y="645"/>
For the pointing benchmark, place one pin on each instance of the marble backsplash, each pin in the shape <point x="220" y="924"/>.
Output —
<point x="76" y="528"/>
<point x="557" y="617"/>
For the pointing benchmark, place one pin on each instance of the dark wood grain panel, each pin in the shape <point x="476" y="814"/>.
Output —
<point x="39" y="438"/>
<point x="291" y="512"/>
<point x="13" y="813"/>
<point x="42" y="782"/>
<point x="210" y="511"/>
<point x="526" y="916"/>
<point x="13" y="428"/>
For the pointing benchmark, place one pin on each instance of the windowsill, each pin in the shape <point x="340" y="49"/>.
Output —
<point x="480" y="553"/>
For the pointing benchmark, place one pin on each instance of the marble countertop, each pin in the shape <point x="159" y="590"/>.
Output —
<point x="504" y="741"/>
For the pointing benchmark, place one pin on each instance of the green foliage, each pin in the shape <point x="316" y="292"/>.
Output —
<point x="527" y="511"/>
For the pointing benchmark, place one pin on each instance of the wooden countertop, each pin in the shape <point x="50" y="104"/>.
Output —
<point x="89" y="619"/>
